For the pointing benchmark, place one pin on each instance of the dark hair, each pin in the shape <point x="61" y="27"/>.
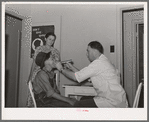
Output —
<point x="50" y="34"/>
<point x="41" y="58"/>
<point x="96" y="45"/>
<point x="37" y="43"/>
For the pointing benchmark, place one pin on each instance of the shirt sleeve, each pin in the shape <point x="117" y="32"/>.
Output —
<point x="87" y="72"/>
<point x="45" y="84"/>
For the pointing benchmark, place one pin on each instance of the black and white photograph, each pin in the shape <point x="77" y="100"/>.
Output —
<point x="74" y="61"/>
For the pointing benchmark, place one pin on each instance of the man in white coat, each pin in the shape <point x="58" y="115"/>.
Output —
<point x="104" y="77"/>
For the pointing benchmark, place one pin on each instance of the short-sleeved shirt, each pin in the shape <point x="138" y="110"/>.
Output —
<point x="106" y="82"/>
<point x="40" y="83"/>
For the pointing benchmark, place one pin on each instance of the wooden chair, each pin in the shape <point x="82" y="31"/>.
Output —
<point x="32" y="94"/>
<point x="137" y="96"/>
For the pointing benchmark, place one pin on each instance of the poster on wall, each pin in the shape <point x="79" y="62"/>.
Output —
<point x="38" y="36"/>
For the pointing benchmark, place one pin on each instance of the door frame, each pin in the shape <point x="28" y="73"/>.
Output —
<point x="136" y="55"/>
<point x="136" y="23"/>
<point x="122" y="40"/>
<point x="134" y="78"/>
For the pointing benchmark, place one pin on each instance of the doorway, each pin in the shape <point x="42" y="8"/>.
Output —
<point x="13" y="27"/>
<point x="140" y="60"/>
<point x="132" y="51"/>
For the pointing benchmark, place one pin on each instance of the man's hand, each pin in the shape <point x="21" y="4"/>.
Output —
<point x="69" y="66"/>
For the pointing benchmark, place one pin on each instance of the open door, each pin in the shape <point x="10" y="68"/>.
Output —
<point x="13" y="27"/>
<point x="132" y="44"/>
<point x="140" y="60"/>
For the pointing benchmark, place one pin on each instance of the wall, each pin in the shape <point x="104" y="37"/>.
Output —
<point x="79" y="25"/>
<point x="84" y="24"/>
<point x="25" y="64"/>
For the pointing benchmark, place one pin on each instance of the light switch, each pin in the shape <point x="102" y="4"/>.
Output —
<point x="112" y="48"/>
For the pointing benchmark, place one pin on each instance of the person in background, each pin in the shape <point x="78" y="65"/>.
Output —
<point x="44" y="84"/>
<point x="48" y="47"/>
<point x="104" y="77"/>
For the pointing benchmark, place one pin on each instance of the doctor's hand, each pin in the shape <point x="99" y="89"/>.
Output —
<point x="69" y="66"/>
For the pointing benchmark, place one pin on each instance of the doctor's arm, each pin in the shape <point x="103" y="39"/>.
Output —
<point x="68" y="73"/>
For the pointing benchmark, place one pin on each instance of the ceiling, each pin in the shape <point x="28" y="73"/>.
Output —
<point x="26" y="8"/>
<point x="20" y="9"/>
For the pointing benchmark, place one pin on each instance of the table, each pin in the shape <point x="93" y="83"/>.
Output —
<point x="76" y="91"/>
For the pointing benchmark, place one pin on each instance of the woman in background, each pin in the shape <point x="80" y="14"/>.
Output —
<point x="48" y="47"/>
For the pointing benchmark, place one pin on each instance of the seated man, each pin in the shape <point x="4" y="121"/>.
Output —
<point x="44" y="84"/>
<point x="104" y="77"/>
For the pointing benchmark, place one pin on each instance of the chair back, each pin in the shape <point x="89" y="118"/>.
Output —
<point x="137" y="96"/>
<point x="57" y="78"/>
<point x="32" y="94"/>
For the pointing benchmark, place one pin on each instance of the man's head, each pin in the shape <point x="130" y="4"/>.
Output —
<point x="94" y="50"/>
<point x="43" y="59"/>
